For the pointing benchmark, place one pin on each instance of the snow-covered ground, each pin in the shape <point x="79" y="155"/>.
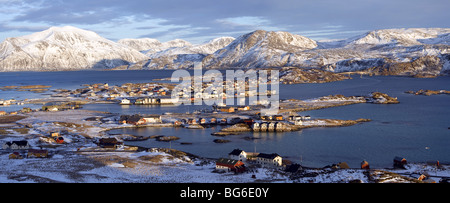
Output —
<point x="78" y="161"/>
<point x="122" y="167"/>
<point x="159" y="167"/>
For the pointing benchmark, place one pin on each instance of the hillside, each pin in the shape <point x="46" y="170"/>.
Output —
<point x="259" y="49"/>
<point x="64" y="48"/>
<point x="418" y="52"/>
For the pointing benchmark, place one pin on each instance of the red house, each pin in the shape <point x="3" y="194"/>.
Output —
<point x="399" y="162"/>
<point x="59" y="140"/>
<point x="230" y="165"/>
<point x="365" y="165"/>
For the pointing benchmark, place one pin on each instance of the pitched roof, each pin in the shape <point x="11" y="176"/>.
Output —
<point x="228" y="162"/>
<point x="20" y="143"/>
<point x="399" y="159"/>
<point x="267" y="156"/>
<point x="132" y="118"/>
<point x="108" y="140"/>
<point x="38" y="151"/>
<point x="236" y="152"/>
<point x="152" y="116"/>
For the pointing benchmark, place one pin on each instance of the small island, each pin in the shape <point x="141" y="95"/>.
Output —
<point x="428" y="92"/>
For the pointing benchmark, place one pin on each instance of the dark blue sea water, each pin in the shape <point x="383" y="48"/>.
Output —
<point x="416" y="129"/>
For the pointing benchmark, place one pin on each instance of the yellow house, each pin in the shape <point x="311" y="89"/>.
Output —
<point x="15" y="155"/>
<point x="54" y="134"/>
<point x="243" y="108"/>
<point x="229" y="110"/>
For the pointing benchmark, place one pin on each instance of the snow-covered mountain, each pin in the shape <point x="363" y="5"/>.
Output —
<point x="259" y="49"/>
<point x="142" y="44"/>
<point x="415" y="52"/>
<point x="150" y="46"/>
<point x="405" y="37"/>
<point x="183" y="56"/>
<point x="187" y="48"/>
<point x="64" y="48"/>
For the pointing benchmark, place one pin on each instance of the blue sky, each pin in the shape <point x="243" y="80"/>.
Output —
<point x="201" y="20"/>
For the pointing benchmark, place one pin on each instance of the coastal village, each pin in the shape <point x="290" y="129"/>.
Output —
<point x="61" y="128"/>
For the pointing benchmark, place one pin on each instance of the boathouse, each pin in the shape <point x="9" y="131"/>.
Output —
<point x="271" y="126"/>
<point x="263" y="126"/>
<point x="202" y="120"/>
<point x="256" y="127"/>
<point x="223" y="121"/>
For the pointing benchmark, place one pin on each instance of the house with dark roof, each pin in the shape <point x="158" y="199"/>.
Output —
<point x="43" y="153"/>
<point x="238" y="154"/>
<point x="269" y="160"/>
<point x="224" y="164"/>
<point x="109" y="143"/>
<point x="130" y="119"/>
<point x="23" y="144"/>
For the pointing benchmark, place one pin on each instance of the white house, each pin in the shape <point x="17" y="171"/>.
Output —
<point x="271" y="126"/>
<point x="269" y="160"/>
<point x="150" y="119"/>
<point x="16" y="145"/>
<point x="255" y="126"/>
<point x="125" y="101"/>
<point x="238" y="154"/>
<point x="263" y="126"/>
<point x="167" y="101"/>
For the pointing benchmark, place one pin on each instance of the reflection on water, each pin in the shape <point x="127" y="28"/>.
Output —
<point x="416" y="129"/>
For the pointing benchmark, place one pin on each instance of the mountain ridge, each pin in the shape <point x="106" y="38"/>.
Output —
<point x="411" y="51"/>
<point x="64" y="48"/>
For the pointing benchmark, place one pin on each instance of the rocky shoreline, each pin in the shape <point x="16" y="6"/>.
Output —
<point x="292" y="75"/>
<point x="294" y="105"/>
<point x="78" y="150"/>
<point x="80" y="128"/>
<point x="314" y="123"/>
<point x="428" y="92"/>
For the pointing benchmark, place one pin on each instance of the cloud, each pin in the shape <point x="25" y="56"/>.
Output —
<point x="247" y="24"/>
<point x="199" y="19"/>
<point x="253" y="21"/>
